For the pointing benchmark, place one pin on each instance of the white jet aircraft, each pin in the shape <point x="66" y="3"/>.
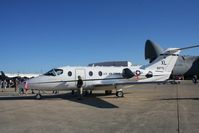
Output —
<point x="107" y="78"/>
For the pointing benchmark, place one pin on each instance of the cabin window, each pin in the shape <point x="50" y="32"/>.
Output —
<point x="69" y="73"/>
<point x="50" y="73"/>
<point x="54" y="72"/>
<point x="100" y="73"/>
<point x="90" y="73"/>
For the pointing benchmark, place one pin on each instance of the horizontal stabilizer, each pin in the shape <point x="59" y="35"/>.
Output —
<point x="177" y="49"/>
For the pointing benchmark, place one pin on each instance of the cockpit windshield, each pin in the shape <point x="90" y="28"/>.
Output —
<point x="54" y="72"/>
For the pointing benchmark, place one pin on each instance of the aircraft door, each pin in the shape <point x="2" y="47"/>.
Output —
<point x="82" y="73"/>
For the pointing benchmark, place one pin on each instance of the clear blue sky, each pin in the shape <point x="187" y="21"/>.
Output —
<point x="36" y="35"/>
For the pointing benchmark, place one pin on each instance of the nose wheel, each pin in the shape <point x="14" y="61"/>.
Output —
<point x="38" y="96"/>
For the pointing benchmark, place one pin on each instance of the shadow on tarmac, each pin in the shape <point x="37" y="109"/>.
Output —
<point x="192" y="98"/>
<point x="91" y="100"/>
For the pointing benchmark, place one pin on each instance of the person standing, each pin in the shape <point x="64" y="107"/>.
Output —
<point x="79" y="86"/>
<point x="10" y="83"/>
<point x="16" y="84"/>
<point x="26" y="87"/>
<point x="21" y="88"/>
<point x="1" y="85"/>
<point x="195" y="79"/>
<point x="4" y="84"/>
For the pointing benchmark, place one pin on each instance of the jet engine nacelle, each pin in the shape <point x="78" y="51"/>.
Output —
<point x="127" y="73"/>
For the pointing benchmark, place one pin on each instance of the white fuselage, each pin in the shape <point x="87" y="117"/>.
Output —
<point x="65" y="78"/>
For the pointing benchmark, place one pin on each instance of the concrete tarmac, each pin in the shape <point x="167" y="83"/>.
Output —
<point x="144" y="109"/>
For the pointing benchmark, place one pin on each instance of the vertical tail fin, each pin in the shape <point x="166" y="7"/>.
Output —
<point x="2" y="74"/>
<point x="152" y="50"/>
<point x="163" y="65"/>
<point x="166" y="61"/>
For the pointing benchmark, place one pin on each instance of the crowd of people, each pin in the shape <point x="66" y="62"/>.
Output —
<point x="18" y="85"/>
<point x="6" y="84"/>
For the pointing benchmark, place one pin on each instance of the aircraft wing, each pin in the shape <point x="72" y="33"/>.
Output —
<point x="137" y="83"/>
<point x="128" y="84"/>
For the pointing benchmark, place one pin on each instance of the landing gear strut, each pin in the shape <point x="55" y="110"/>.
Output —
<point x="73" y="92"/>
<point x="88" y="92"/>
<point x="38" y="96"/>
<point x="108" y="92"/>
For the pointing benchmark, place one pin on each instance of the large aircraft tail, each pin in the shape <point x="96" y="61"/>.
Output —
<point x="152" y="50"/>
<point x="165" y="62"/>
<point x="2" y="74"/>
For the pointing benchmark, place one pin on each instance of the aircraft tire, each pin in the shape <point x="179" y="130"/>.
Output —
<point x="38" y="96"/>
<point x="120" y="94"/>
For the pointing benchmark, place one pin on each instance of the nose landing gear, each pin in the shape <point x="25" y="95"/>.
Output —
<point x="38" y="96"/>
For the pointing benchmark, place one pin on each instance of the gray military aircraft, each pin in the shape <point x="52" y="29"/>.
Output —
<point x="186" y="66"/>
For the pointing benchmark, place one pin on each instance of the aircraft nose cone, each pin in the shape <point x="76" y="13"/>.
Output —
<point x="31" y="83"/>
<point x="35" y="83"/>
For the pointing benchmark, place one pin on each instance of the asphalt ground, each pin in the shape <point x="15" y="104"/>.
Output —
<point x="144" y="109"/>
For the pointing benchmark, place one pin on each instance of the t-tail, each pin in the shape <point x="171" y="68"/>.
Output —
<point x="166" y="61"/>
<point x="164" y="64"/>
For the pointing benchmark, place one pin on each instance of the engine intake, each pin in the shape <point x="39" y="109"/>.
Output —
<point x="127" y="73"/>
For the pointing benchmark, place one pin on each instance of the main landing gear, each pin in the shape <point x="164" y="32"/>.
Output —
<point x="88" y="92"/>
<point x="108" y="92"/>
<point x="119" y="93"/>
<point x="73" y="92"/>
